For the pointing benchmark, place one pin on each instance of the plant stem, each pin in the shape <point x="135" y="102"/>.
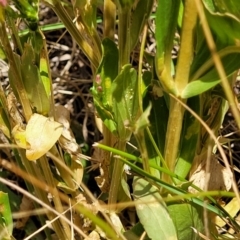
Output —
<point x="109" y="17"/>
<point x="124" y="36"/>
<point x="34" y="170"/>
<point x="124" y="56"/>
<point x="116" y="175"/>
<point x="176" y="110"/>
<point x="64" y="232"/>
<point x="140" y="135"/>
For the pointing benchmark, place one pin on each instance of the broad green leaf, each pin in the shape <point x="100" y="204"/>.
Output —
<point x="199" y="86"/>
<point x="189" y="139"/>
<point x="41" y="134"/>
<point x="221" y="13"/>
<point x="152" y="211"/>
<point x="158" y="126"/>
<point x="107" y="72"/>
<point x="102" y="85"/>
<point x="32" y="81"/>
<point x="125" y="101"/>
<point x="43" y="69"/>
<point x="6" y="222"/>
<point x="166" y="23"/>
<point x="224" y="6"/>
<point x="230" y="62"/>
<point x="139" y="17"/>
<point x="186" y="216"/>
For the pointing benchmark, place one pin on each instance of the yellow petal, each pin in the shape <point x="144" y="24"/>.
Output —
<point x="41" y="134"/>
<point x="19" y="135"/>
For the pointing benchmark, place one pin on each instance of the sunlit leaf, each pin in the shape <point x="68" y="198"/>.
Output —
<point x="186" y="216"/>
<point x="102" y="93"/>
<point x="125" y="101"/>
<point x="152" y="211"/>
<point x="33" y="83"/>
<point x="41" y="134"/>
<point x="210" y="79"/>
<point x="225" y="14"/>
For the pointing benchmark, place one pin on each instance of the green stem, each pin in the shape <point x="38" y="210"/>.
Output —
<point x="140" y="137"/>
<point x="173" y="134"/>
<point x="124" y="36"/>
<point x="124" y="56"/>
<point x="64" y="232"/>
<point x="116" y="175"/>
<point x="176" y="110"/>
<point x="109" y="19"/>
<point x="186" y="53"/>
<point x="33" y="169"/>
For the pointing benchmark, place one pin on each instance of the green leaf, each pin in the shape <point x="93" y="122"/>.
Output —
<point x="186" y="216"/>
<point x="230" y="62"/>
<point x="33" y="82"/>
<point x="125" y="101"/>
<point x="29" y="11"/>
<point x="106" y="73"/>
<point x="143" y="121"/>
<point x="43" y="68"/>
<point x="225" y="14"/>
<point x="152" y="211"/>
<point x="102" y="86"/>
<point x="189" y="139"/>
<point x="6" y="222"/>
<point x="139" y="17"/>
<point x="224" y="6"/>
<point x="158" y="127"/>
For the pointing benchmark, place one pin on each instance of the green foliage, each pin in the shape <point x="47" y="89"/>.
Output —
<point x="185" y="215"/>
<point x="6" y="223"/>
<point x="102" y="89"/>
<point x="137" y="104"/>
<point x="149" y="205"/>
